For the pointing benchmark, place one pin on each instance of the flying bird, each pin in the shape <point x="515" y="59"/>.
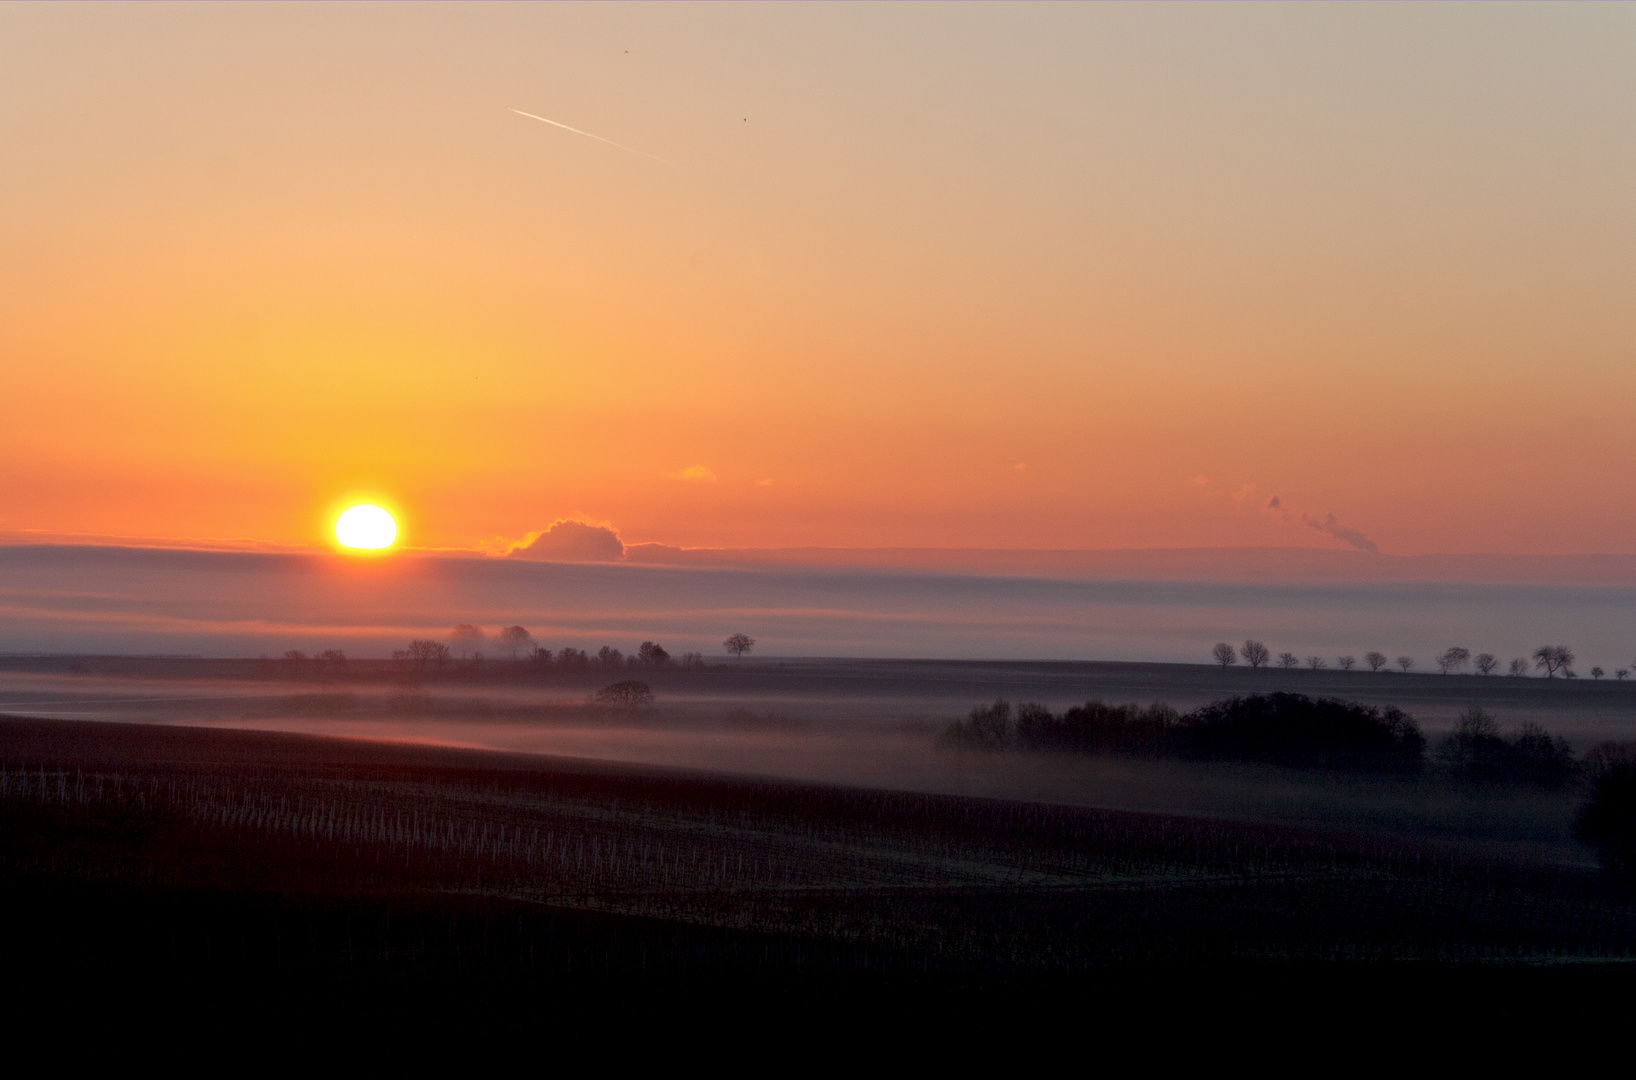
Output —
<point x="598" y="138"/>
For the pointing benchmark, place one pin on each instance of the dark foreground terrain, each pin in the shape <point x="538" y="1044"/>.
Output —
<point x="173" y="872"/>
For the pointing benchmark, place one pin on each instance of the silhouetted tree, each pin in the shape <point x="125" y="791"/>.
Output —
<point x="540" y="658"/>
<point x="1518" y="668"/>
<point x="1453" y="659"/>
<point x="1224" y="654"/>
<point x="295" y="656"/>
<point x="1405" y="662"/>
<point x="610" y="657"/>
<point x="1554" y="658"/>
<point x="515" y="640"/>
<point x="651" y="655"/>
<point x="1316" y="663"/>
<point x="629" y="694"/>
<point x="1375" y="660"/>
<point x="573" y="659"/>
<point x="692" y="660"/>
<point x="1485" y="663"/>
<point x="467" y="638"/>
<point x="988" y="727"/>
<point x="1346" y="663"/>
<point x="1622" y="673"/>
<point x="1607" y="821"/>
<point x="1597" y="673"/>
<point x="739" y="644"/>
<point x="1474" y="750"/>
<point x="1254" y="653"/>
<point x="1288" y="660"/>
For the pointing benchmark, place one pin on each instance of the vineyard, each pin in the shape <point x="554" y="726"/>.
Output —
<point x="168" y="849"/>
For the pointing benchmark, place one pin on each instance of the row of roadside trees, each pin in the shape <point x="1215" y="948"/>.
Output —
<point x="1551" y="660"/>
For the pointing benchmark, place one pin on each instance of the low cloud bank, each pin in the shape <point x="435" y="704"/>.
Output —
<point x="568" y="540"/>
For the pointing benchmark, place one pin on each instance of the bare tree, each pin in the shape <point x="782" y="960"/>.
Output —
<point x="1597" y="673"/>
<point x="692" y="659"/>
<point x="1375" y="660"/>
<point x="1316" y="663"/>
<point x="1288" y="660"/>
<point x="1254" y="653"/>
<point x="652" y="655"/>
<point x="1346" y="663"/>
<point x="1485" y="663"/>
<point x="424" y="653"/>
<point x="515" y="640"/>
<point x="739" y="644"/>
<point x="610" y="657"/>
<point x="467" y="639"/>
<point x="1224" y="654"/>
<point x="1554" y="658"/>
<point x="1518" y="668"/>
<point x="1622" y="673"/>
<point x="1452" y="659"/>
<point x="1405" y="662"/>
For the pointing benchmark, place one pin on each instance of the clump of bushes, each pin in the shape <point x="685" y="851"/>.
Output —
<point x="1097" y="727"/>
<point x="1286" y="728"/>
<point x="1293" y="729"/>
<point x="1476" y="751"/>
<point x="627" y="694"/>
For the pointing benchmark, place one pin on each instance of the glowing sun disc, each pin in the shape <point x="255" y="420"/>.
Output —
<point x="366" y="526"/>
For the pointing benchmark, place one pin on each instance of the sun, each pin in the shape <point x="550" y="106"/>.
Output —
<point x="365" y="526"/>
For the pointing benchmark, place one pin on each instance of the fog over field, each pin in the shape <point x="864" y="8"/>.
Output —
<point x="874" y="724"/>
<point x="1152" y="606"/>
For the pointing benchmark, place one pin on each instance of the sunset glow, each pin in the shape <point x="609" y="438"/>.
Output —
<point x="366" y="527"/>
<point x="1131" y="246"/>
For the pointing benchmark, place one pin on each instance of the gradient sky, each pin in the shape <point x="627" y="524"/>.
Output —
<point x="937" y="275"/>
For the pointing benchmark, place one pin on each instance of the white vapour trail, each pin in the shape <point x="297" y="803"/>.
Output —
<point x="598" y="138"/>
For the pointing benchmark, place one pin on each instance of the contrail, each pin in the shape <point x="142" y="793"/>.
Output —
<point x="598" y="138"/>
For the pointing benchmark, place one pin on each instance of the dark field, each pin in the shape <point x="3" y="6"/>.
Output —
<point x="145" y="865"/>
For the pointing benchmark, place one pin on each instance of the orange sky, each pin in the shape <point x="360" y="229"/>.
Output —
<point x="1061" y="276"/>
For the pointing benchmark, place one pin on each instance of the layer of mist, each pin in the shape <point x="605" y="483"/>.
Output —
<point x="887" y="739"/>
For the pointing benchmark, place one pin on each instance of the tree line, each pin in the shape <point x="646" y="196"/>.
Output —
<point x="513" y="646"/>
<point x="1282" y="728"/>
<point x="518" y="647"/>
<point x="1551" y="660"/>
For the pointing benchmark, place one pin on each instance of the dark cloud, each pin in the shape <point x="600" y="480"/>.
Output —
<point x="573" y="541"/>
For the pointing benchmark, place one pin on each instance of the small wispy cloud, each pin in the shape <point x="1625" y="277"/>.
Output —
<point x="1331" y="527"/>
<point x="598" y="138"/>
<point x="1328" y="524"/>
<point x="696" y="473"/>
